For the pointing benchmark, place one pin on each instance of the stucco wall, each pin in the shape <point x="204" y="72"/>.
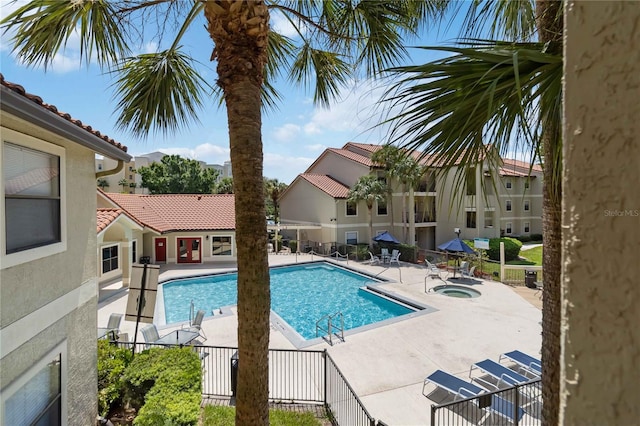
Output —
<point x="601" y="215"/>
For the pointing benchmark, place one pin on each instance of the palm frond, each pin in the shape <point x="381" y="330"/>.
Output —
<point x="501" y="19"/>
<point x="453" y="108"/>
<point x="43" y="28"/>
<point x="160" y="90"/>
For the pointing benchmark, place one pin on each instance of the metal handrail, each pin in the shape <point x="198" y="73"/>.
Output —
<point x="330" y="327"/>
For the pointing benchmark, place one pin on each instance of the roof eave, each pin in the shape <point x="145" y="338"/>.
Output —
<point x="24" y="108"/>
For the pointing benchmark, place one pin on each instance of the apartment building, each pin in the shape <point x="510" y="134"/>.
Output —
<point x="504" y="199"/>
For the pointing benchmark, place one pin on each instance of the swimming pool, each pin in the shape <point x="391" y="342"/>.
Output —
<point x="300" y="295"/>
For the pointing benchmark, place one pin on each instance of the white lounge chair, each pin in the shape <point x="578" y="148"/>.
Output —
<point x="469" y="273"/>
<point x="395" y="257"/>
<point x="196" y="324"/>
<point x="433" y="270"/>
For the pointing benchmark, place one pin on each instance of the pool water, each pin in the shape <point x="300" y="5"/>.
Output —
<point x="300" y="295"/>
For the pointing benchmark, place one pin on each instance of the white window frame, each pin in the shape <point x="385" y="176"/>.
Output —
<point x="508" y="184"/>
<point x="218" y="256"/>
<point x="346" y="237"/>
<point x="526" y="205"/>
<point x="508" y="206"/>
<point x="378" y="208"/>
<point x="24" y="256"/>
<point x="526" y="228"/>
<point x="13" y="387"/>
<point x="132" y="251"/>
<point x="346" y="209"/>
<point x="508" y="228"/>
<point x="113" y="271"/>
<point x="467" y="220"/>
<point x="490" y="219"/>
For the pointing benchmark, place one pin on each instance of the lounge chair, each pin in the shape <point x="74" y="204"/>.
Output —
<point x="374" y="259"/>
<point x="529" y="363"/>
<point x="113" y="327"/>
<point x="461" y="389"/>
<point x="196" y="324"/>
<point x="395" y="257"/>
<point x="433" y="270"/>
<point x="505" y="377"/>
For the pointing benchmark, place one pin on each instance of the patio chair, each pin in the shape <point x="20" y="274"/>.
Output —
<point x="374" y="259"/>
<point x="150" y="334"/>
<point x="461" y="389"/>
<point x="113" y="325"/>
<point x="468" y="273"/>
<point x="395" y="257"/>
<point x="527" y="362"/>
<point x="504" y="377"/>
<point x="433" y="270"/>
<point x="196" y="324"/>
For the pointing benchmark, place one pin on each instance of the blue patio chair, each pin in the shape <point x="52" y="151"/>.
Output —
<point x="461" y="389"/>
<point x="527" y="362"/>
<point x="505" y="377"/>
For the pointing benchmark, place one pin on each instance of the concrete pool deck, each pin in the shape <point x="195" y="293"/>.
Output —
<point x="386" y="365"/>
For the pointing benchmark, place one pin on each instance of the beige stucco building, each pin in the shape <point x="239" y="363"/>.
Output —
<point x="48" y="279"/>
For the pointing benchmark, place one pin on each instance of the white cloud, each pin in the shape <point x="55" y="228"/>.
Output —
<point x="282" y="25"/>
<point x="207" y="152"/>
<point x="285" y="168"/>
<point x="287" y="132"/>
<point x="316" y="147"/>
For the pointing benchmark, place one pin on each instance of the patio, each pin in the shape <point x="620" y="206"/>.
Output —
<point x="386" y="365"/>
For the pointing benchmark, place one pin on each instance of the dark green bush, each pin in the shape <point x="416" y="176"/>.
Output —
<point x="536" y="237"/>
<point x="168" y="383"/>
<point x="511" y="248"/>
<point x="112" y="362"/>
<point x="523" y="238"/>
<point x="293" y="245"/>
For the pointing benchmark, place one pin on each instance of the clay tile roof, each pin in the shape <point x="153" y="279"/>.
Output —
<point x="327" y="184"/>
<point x="38" y="100"/>
<point x="105" y="217"/>
<point x="352" y="156"/>
<point x="511" y="167"/>
<point x="179" y="212"/>
<point x="363" y="146"/>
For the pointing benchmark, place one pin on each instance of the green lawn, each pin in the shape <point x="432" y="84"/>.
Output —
<point x="223" y="416"/>
<point x="533" y="255"/>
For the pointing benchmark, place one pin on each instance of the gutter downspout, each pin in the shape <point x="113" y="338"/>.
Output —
<point x="119" y="167"/>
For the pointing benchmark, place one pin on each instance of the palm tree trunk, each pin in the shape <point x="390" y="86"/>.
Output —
<point x="241" y="53"/>
<point x="550" y="31"/>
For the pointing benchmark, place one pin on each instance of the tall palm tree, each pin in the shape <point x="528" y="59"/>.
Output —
<point x="387" y="158"/>
<point x="273" y="189"/>
<point x="408" y="171"/>
<point x="370" y="189"/>
<point x="337" y="40"/>
<point x="103" y="183"/>
<point x="508" y="93"/>
<point x="123" y="183"/>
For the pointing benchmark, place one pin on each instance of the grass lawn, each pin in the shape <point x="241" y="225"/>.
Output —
<point x="533" y="255"/>
<point x="223" y="416"/>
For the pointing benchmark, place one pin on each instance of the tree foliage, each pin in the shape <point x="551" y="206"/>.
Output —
<point x="225" y="186"/>
<point x="371" y="190"/>
<point x="273" y="189"/>
<point x="177" y="175"/>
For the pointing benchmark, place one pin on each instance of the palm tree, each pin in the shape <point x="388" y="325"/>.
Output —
<point x="273" y="189"/>
<point x="123" y="183"/>
<point x="510" y="94"/>
<point x="103" y="183"/>
<point x="387" y="157"/>
<point x="225" y="186"/>
<point x="370" y="189"/>
<point x="337" y="40"/>
<point x="408" y="171"/>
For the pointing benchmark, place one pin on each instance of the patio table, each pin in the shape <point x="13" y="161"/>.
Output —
<point x="178" y="337"/>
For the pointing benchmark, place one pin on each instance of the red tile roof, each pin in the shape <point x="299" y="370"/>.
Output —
<point x="366" y="161"/>
<point x="327" y="184"/>
<point x="106" y="216"/>
<point x="179" y="212"/>
<point x="38" y="100"/>
<point x="512" y="167"/>
<point x="363" y="146"/>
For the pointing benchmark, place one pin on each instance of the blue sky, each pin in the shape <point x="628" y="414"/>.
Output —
<point x="293" y="136"/>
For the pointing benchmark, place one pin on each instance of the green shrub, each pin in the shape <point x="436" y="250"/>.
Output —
<point x="523" y="238"/>
<point x="511" y="248"/>
<point x="112" y="362"/>
<point x="536" y="237"/>
<point x="164" y="384"/>
<point x="293" y="245"/>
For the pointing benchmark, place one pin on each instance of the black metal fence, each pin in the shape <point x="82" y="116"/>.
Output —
<point x="294" y="376"/>
<point x="520" y="405"/>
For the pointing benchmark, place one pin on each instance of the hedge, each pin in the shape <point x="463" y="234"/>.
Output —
<point x="511" y="248"/>
<point x="165" y="385"/>
<point x="112" y="362"/>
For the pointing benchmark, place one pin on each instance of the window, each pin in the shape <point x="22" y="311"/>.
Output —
<point x="508" y="228"/>
<point x="99" y="166"/>
<point x="471" y="219"/>
<point x="352" y="208"/>
<point x="32" y="198"/>
<point x="508" y="206"/>
<point x="109" y="259"/>
<point x="134" y="251"/>
<point x="382" y="208"/>
<point x="130" y="177"/>
<point x="130" y="169"/>
<point x="526" y="227"/>
<point x="526" y="183"/>
<point x="488" y="221"/>
<point x="221" y="246"/>
<point x="39" y="400"/>
<point x="471" y="181"/>
<point x="507" y="184"/>
<point x="351" y="237"/>
<point x="526" y="205"/>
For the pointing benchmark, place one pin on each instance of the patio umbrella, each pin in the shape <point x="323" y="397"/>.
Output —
<point x="385" y="237"/>
<point x="456" y="246"/>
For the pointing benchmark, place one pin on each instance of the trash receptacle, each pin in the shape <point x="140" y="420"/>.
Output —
<point x="530" y="278"/>
<point x="234" y="373"/>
